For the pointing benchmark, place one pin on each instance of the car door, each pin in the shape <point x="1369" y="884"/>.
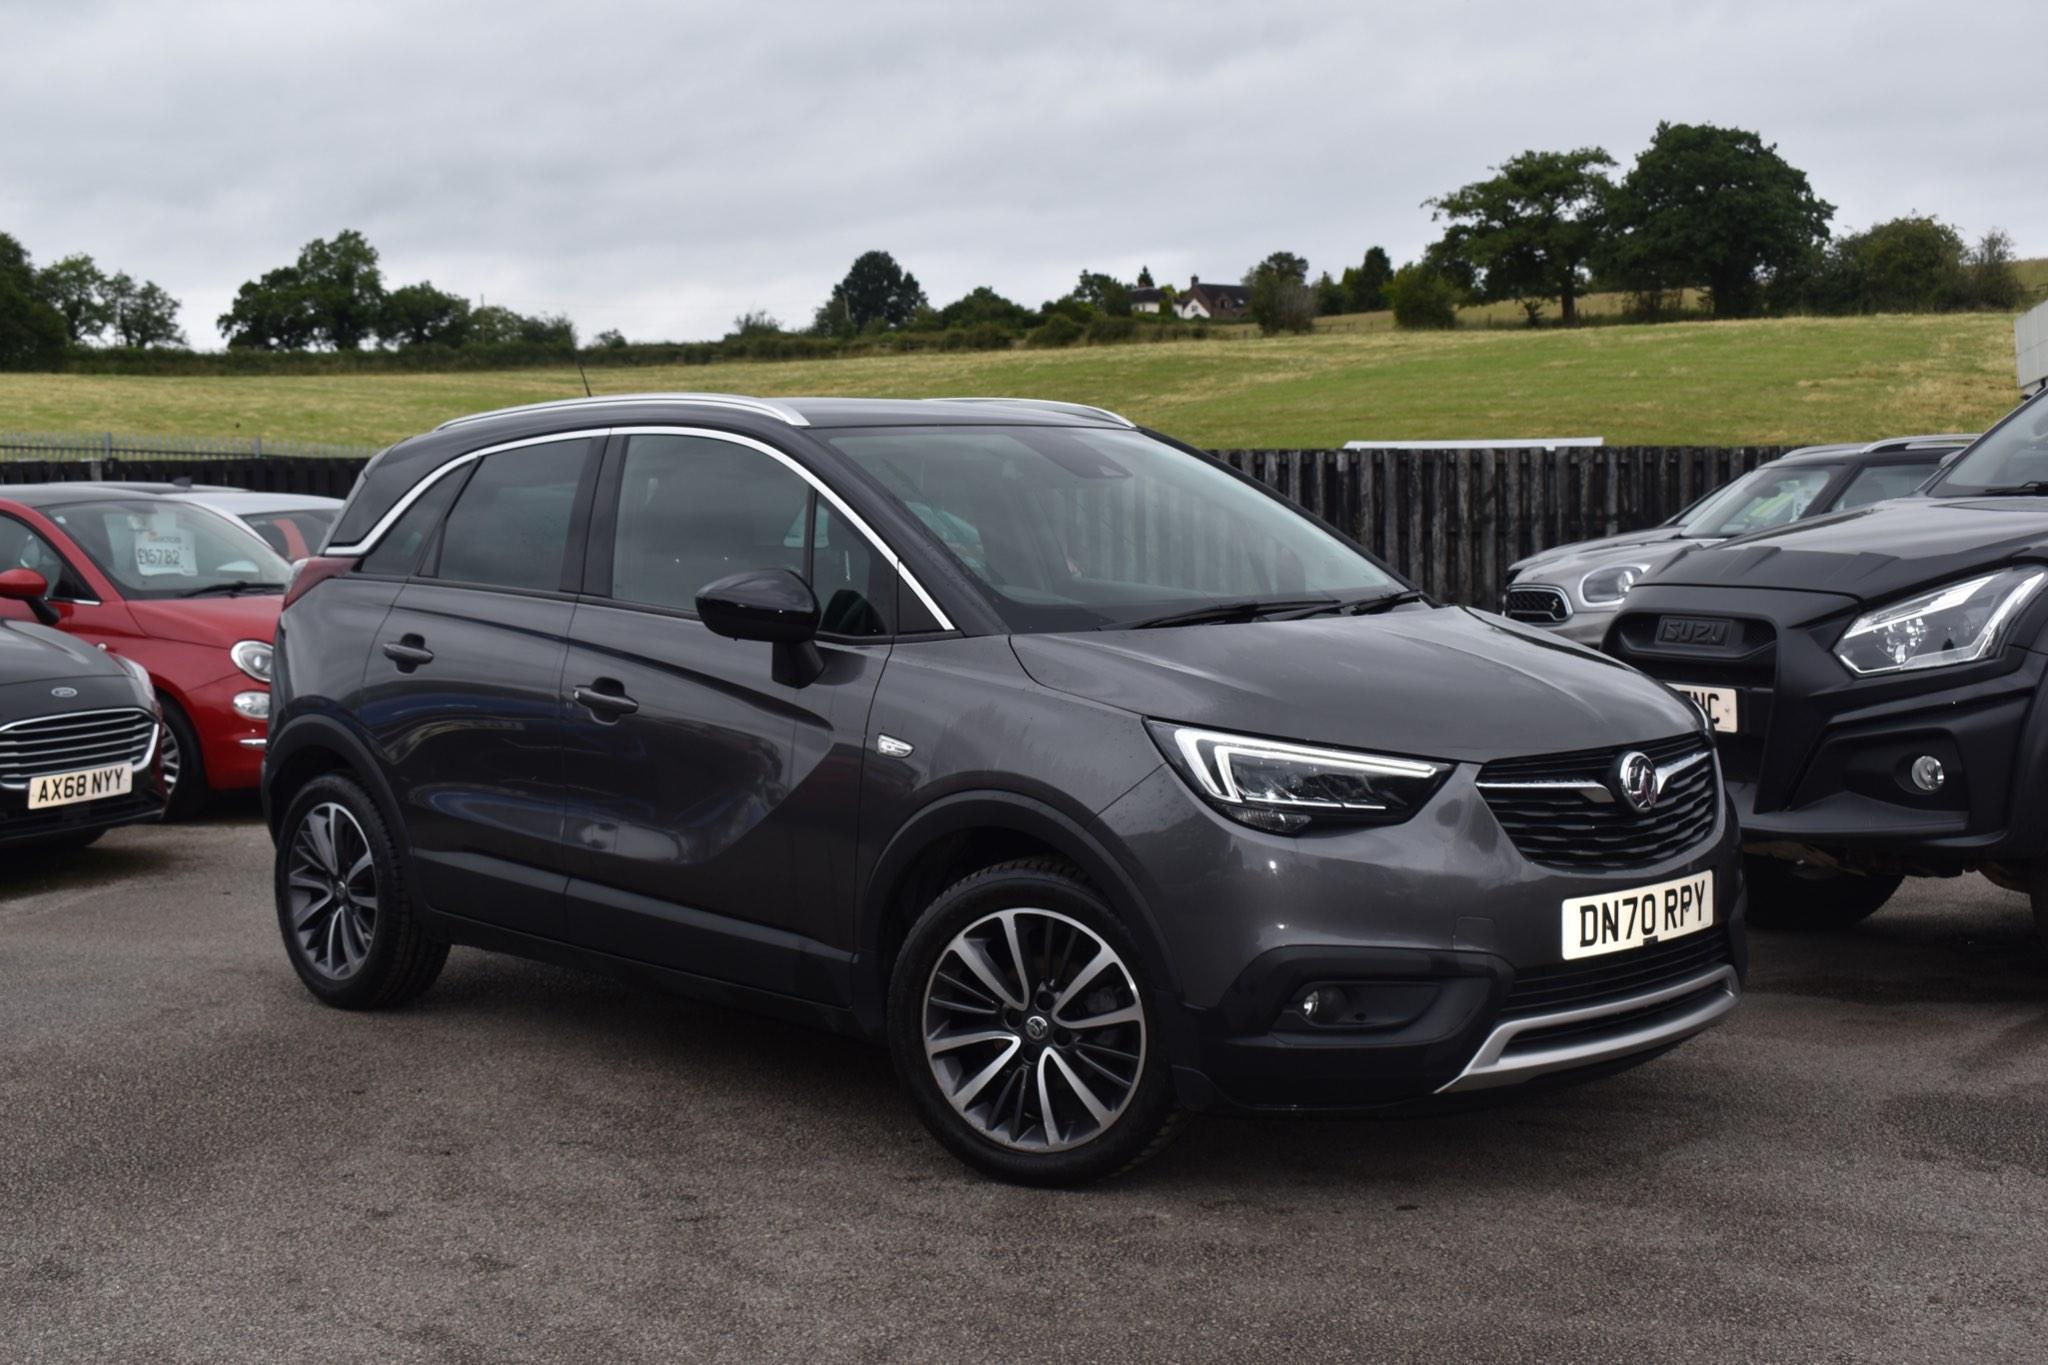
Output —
<point x="463" y="687"/>
<point x="712" y="808"/>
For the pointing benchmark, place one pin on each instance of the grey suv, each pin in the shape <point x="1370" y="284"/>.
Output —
<point x="1096" y="779"/>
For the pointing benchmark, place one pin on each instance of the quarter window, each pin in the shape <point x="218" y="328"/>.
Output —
<point x="510" y="527"/>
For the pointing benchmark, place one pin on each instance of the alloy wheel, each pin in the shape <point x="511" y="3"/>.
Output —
<point x="331" y="885"/>
<point x="172" y="761"/>
<point x="1034" y="1030"/>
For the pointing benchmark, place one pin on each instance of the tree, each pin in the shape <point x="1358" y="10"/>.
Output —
<point x="1528" y="231"/>
<point x="333" y="295"/>
<point x="876" y="290"/>
<point x="1993" y="282"/>
<point x="754" y="322"/>
<point x="142" y="315"/>
<point x="32" y="333"/>
<point x="1104" y="293"/>
<point x="1420" y="297"/>
<point x="983" y="305"/>
<point x="1712" y="206"/>
<point x="1365" y="285"/>
<point x="421" y="315"/>
<point x="1281" y="300"/>
<point x="75" y="287"/>
<point x="1330" y="295"/>
<point x="345" y="286"/>
<point x="1145" y="277"/>
<point x="611" y="338"/>
<point x="273" y="313"/>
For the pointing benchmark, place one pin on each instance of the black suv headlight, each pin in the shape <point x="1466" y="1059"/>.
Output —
<point x="1957" y="624"/>
<point x="1280" y="787"/>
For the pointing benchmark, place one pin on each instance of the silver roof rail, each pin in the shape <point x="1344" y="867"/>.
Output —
<point x="1896" y="443"/>
<point x="1050" y="405"/>
<point x="781" y="412"/>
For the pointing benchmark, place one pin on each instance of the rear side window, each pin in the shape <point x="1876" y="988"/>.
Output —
<point x="510" y="528"/>
<point x="1879" y="482"/>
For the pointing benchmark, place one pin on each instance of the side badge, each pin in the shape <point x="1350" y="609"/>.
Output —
<point x="891" y="747"/>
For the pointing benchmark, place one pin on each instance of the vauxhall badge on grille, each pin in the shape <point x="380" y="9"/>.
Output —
<point x="1635" y="780"/>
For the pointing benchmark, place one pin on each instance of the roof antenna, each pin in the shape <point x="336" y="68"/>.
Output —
<point x="582" y="376"/>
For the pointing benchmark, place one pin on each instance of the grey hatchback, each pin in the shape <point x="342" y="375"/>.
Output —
<point x="1098" y="780"/>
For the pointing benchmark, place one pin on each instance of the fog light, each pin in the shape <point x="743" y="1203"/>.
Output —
<point x="1928" y="774"/>
<point x="254" y="705"/>
<point x="1320" y="1004"/>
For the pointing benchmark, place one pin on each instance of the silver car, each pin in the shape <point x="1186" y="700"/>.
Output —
<point x="1577" y="589"/>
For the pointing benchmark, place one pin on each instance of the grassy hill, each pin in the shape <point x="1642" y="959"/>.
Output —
<point x="1728" y="383"/>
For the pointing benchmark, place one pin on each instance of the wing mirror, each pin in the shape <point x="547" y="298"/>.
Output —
<point x="26" y="585"/>
<point x="774" y="606"/>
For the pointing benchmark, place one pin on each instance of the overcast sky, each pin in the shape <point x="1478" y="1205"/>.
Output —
<point x="659" y="168"/>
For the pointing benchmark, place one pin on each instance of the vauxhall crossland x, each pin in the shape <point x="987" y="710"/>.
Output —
<point x="1098" y="780"/>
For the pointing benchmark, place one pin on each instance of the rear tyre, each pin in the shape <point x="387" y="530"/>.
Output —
<point x="184" y="768"/>
<point x="1788" y="895"/>
<point x="342" y="903"/>
<point x="1020" y="1021"/>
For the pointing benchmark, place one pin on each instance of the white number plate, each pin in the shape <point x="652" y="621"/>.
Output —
<point x="1619" y="920"/>
<point x="1717" y="704"/>
<point x="68" y="789"/>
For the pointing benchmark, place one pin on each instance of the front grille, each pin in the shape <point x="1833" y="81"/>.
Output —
<point x="1617" y="976"/>
<point x="1538" y="606"/>
<point x="1547" y="812"/>
<point x="68" y="743"/>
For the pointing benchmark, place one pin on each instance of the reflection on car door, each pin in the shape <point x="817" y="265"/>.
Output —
<point x="463" y="690"/>
<point x="711" y="807"/>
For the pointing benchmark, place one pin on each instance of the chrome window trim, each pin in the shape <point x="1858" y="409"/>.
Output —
<point x="839" y="504"/>
<point x="376" y="533"/>
<point x="767" y="407"/>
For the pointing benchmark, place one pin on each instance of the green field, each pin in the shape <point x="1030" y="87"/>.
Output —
<point x="1727" y="383"/>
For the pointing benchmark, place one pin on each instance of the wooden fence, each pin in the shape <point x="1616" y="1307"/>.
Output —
<point x="1450" y="520"/>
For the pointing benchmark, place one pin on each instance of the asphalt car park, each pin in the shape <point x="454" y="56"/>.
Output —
<point x="197" y="1161"/>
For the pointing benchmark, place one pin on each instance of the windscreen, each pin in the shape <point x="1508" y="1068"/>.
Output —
<point x="1759" y="500"/>
<point x="1074" y="528"/>
<point x="154" y="548"/>
<point x="2012" y="455"/>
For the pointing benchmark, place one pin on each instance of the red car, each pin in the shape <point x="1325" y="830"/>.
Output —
<point x="191" y="595"/>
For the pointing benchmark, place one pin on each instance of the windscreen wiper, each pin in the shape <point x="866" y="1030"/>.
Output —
<point x="235" y="588"/>
<point x="1357" y="606"/>
<point x="2037" y="488"/>
<point x="1248" y="609"/>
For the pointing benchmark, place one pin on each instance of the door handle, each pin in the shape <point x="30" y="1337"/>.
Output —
<point x="408" y="652"/>
<point x="604" y="703"/>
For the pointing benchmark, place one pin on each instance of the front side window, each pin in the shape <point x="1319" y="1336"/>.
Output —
<point x="1760" y="500"/>
<point x="693" y="510"/>
<point x="1879" y="482"/>
<point x="22" y="548"/>
<point x="156" y="549"/>
<point x="510" y="527"/>
<point x="1076" y="528"/>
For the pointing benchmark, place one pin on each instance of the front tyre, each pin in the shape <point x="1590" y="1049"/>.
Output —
<point x="1789" y="895"/>
<point x="1018" y="1019"/>
<point x="348" y="923"/>
<point x="184" y="767"/>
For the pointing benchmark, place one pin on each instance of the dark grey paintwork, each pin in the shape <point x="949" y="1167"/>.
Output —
<point x="748" y="840"/>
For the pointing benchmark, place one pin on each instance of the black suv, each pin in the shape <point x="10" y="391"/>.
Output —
<point x="1095" y="777"/>
<point x="1875" y="680"/>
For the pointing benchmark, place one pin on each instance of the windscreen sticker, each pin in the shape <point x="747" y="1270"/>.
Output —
<point x="160" y="552"/>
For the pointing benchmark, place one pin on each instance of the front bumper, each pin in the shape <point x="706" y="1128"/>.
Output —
<point x="1823" y="759"/>
<point x="231" y="743"/>
<point x="1440" y="918"/>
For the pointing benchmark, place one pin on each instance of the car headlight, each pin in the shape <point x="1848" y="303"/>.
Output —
<point x="1605" y="587"/>
<point x="252" y="657"/>
<point x="1281" y="788"/>
<point x="1957" y="624"/>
